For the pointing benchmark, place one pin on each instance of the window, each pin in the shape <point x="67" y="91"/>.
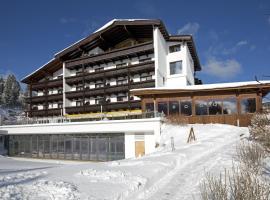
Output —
<point x="229" y="106"/>
<point x="149" y="107"/>
<point x="60" y="105"/>
<point x="99" y="100"/>
<point x="121" y="82"/>
<point x="146" y="78"/>
<point x="176" y="67"/>
<point x="79" y="103"/>
<point x="248" y="105"/>
<point x="175" y="48"/>
<point x="163" y="107"/>
<point x="215" y="107"/>
<point x="186" y="108"/>
<point x="99" y="85"/>
<point x="121" y="98"/>
<point x="173" y="107"/>
<point x="79" y="88"/>
<point x="60" y="91"/>
<point x="201" y="107"/>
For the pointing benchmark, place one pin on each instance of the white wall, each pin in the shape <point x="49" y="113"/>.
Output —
<point x="160" y="49"/>
<point x="150" y="128"/>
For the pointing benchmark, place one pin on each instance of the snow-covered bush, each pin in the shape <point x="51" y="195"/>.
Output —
<point x="239" y="184"/>
<point x="260" y="129"/>
<point x="250" y="155"/>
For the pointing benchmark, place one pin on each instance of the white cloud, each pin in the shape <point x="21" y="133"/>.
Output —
<point x="189" y="28"/>
<point x="242" y="43"/>
<point x="224" y="69"/>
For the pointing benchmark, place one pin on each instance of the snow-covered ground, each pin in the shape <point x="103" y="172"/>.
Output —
<point x="165" y="174"/>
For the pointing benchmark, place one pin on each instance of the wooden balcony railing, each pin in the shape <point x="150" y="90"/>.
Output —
<point x="48" y="84"/>
<point x="40" y="99"/>
<point x="140" y="49"/>
<point x="106" y="108"/>
<point x="47" y="112"/>
<point x="111" y="73"/>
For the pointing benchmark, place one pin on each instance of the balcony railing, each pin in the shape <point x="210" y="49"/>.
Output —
<point x="114" y="55"/>
<point x="107" y="107"/>
<point x="40" y="99"/>
<point x="46" y="112"/>
<point x="110" y="89"/>
<point x="111" y="73"/>
<point x="49" y="84"/>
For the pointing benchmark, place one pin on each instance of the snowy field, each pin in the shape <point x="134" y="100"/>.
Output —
<point x="162" y="175"/>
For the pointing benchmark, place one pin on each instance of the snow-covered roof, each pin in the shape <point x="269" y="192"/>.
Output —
<point x="117" y="20"/>
<point x="37" y="69"/>
<point x="206" y="86"/>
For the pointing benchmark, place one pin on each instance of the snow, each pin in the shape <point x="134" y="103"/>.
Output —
<point x="208" y="86"/>
<point x="114" y="20"/>
<point x="165" y="174"/>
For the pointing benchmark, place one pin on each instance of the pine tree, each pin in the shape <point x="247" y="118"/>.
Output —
<point x="2" y="83"/>
<point x="11" y="91"/>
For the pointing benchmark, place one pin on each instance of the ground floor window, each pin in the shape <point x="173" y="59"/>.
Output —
<point x="248" y="105"/>
<point x="96" y="147"/>
<point x="201" y="107"/>
<point x="163" y="107"/>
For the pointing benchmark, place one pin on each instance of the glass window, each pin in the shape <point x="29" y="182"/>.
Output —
<point x="149" y="107"/>
<point x="176" y="67"/>
<point x="173" y="107"/>
<point x="175" y="48"/>
<point x="186" y="108"/>
<point x="229" y="106"/>
<point x="215" y="107"/>
<point x="201" y="107"/>
<point x="248" y="105"/>
<point x="163" y="107"/>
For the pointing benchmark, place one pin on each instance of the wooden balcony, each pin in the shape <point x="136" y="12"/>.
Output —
<point x="143" y="84"/>
<point x="44" y="98"/>
<point x="48" y="84"/>
<point x="44" y="113"/>
<point x="109" y="89"/>
<point x="106" y="108"/>
<point x="112" y="73"/>
<point x="118" y="54"/>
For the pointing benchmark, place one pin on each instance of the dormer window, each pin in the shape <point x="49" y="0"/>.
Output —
<point x="175" y="48"/>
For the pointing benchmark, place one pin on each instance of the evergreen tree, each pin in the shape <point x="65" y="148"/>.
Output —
<point x="11" y="91"/>
<point x="2" y="83"/>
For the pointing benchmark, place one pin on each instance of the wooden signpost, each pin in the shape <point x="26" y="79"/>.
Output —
<point x="191" y="136"/>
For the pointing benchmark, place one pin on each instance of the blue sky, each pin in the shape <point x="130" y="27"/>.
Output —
<point x="232" y="37"/>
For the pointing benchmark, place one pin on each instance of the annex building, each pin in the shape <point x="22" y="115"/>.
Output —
<point x="105" y="96"/>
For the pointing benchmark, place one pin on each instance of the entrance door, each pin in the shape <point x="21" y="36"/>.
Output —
<point x="139" y="148"/>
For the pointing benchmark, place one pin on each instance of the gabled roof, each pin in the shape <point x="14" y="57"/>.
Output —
<point x="109" y="35"/>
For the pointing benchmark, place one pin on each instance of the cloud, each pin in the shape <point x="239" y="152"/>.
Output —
<point x="242" y="43"/>
<point x="224" y="69"/>
<point x="189" y="28"/>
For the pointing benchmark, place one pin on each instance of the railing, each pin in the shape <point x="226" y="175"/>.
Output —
<point x="97" y="117"/>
